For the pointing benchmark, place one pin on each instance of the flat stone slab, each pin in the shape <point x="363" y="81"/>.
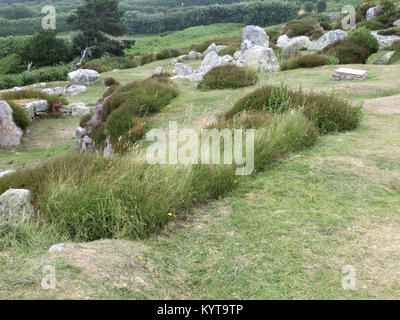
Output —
<point x="349" y="74"/>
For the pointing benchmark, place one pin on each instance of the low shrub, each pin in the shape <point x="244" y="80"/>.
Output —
<point x="109" y="81"/>
<point x="347" y="51"/>
<point x="166" y="53"/>
<point x="47" y="74"/>
<point x="228" y="76"/>
<point x="364" y="37"/>
<point x="110" y="90"/>
<point x="110" y="63"/>
<point x="147" y="58"/>
<point x="300" y="27"/>
<point x="11" y="64"/>
<point x="20" y="117"/>
<point x="84" y="120"/>
<point x="124" y="129"/>
<point x="230" y="50"/>
<point x="142" y="97"/>
<point x="305" y="61"/>
<point x="390" y="31"/>
<point x="326" y="111"/>
<point x="396" y="46"/>
<point x="98" y="135"/>
<point x="54" y="101"/>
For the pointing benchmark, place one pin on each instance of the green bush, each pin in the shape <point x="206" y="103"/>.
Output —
<point x="364" y="37"/>
<point x="390" y="31"/>
<point x="143" y="97"/>
<point x="166" y="53"/>
<point x="147" y="58"/>
<point x="110" y="90"/>
<point x="98" y="136"/>
<point x="230" y="50"/>
<point x="228" y="76"/>
<point x="109" y="81"/>
<point x="11" y="64"/>
<point x="309" y="6"/>
<point x="110" y="63"/>
<point x="124" y="129"/>
<point x="304" y="61"/>
<point x="326" y="111"/>
<point x="20" y="117"/>
<point x="362" y="9"/>
<point x="321" y="5"/>
<point x="347" y="51"/>
<point x="47" y="74"/>
<point x="300" y="27"/>
<point x="54" y="101"/>
<point x="396" y="46"/>
<point x="84" y="120"/>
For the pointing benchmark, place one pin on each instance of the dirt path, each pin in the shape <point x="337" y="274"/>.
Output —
<point x="385" y="105"/>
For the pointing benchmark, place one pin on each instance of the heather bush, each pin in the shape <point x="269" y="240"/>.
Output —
<point x="228" y="76"/>
<point x="230" y="50"/>
<point x="20" y="117"/>
<point x="109" y="81"/>
<point x="305" y="61"/>
<point x="347" y="51"/>
<point x="110" y="63"/>
<point x="364" y="37"/>
<point x="326" y="111"/>
<point x="390" y="31"/>
<point x="396" y="46"/>
<point x="300" y="27"/>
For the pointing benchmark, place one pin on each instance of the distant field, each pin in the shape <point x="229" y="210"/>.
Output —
<point x="185" y="38"/>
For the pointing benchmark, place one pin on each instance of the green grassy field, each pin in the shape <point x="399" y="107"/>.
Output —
<point x="285" y="234"/>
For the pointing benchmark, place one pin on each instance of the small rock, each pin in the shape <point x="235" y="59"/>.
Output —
<point x="116" y="70"/>
<point x="14" y="89"/>
<point x="159" y="70"/>
<point x="371" y="13"/>
<point x="39" y="106"/>
<point x="396" y="23"/>
<point x="261" y="58"/>
<point x="59" y="247"/>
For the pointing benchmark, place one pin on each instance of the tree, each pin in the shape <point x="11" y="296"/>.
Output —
<point x="98" y="16"/>
<point x="309" y="7"/>
<point x="44" y="49"/>
<point x="97" y="20"/>
<point x="321" y="5"/>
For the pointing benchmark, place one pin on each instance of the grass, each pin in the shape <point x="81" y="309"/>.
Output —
<point x="286" y="233"/>
<point x="185" y="38"/>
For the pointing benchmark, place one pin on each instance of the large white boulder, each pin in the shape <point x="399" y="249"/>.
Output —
<point x="327" y="39"/>
<point x="254" y="36"/>
<point x="56" y="90"/>
<point x="385" y="58"/>
<point x="10" y="133"/>
<point x="261" y="58"/>
<point x="83" y="77"/>
<point x="76" y="109"/>
<point x="15" y="206"/>
<point x="296" y="43"/>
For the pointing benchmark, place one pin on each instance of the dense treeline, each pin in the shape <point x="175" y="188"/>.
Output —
<point x="29" y="26"/>
<point x="258" y="13"/>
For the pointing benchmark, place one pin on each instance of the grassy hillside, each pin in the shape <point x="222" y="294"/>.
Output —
<point x="287" y="233"/>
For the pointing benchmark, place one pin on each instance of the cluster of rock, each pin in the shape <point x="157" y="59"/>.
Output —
<point x="304" y="42"/>
<point x="79" y="80"/>
<point x="349" y="74"/>
<point x="254" y="52"/>
<point x="10" y="133"/>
